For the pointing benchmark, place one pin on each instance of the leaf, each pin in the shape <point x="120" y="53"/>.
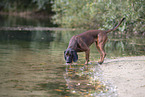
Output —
<point x="58" y="90"/>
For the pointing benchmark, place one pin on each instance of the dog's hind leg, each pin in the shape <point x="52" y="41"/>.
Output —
<point x="102" y="39"/>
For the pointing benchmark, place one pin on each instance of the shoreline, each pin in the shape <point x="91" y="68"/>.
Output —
<point x="28" y="14"/>
<point x="127" y="74"/>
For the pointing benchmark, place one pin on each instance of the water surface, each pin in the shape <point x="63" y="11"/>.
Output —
<point x="32" y="63"/>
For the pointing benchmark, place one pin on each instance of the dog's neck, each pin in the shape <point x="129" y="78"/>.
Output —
<point x="72" y="47"/>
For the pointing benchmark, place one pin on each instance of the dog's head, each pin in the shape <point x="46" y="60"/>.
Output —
<point x="70" y="55"/>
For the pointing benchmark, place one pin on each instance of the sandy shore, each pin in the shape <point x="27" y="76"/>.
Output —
<point x="127" y="74"/>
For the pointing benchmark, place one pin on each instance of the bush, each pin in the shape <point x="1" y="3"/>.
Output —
<point x="100" y="14"/>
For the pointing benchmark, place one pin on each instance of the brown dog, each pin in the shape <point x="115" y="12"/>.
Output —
<point x="81" y="43"/>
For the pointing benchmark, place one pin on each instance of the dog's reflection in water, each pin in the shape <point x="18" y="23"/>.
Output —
<point x="87" y="80"/>
<point x="76" y="81"/>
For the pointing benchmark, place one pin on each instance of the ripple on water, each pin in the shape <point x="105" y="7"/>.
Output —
<point x="88" y="80"/>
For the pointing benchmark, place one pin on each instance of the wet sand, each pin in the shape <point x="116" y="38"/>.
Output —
<point x="127" y="74"/>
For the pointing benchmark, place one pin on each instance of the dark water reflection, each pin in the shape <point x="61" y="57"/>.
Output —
<point x="16" y="21"/>
<point x="32" y="64"/>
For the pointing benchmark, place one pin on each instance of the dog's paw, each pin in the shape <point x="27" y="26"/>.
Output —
<point x="100" y="62"/>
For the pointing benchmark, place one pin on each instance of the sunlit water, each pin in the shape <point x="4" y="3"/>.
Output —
<point x="32" y="64"/>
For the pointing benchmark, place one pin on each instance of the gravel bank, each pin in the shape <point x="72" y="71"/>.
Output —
<point x="127" y="74"/>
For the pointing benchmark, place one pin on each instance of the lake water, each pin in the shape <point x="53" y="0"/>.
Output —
<point x="32" y="62"/>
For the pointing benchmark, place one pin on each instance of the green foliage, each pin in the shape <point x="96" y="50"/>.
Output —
<point x="100" y="14"/>
<point x="16" y="5"/>
<point x="44" y="5"/>
<point x="25" y="5"/>
<point x="41" y="3"/>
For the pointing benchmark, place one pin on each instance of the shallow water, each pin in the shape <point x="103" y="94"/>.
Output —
<point x="32" y="63"/>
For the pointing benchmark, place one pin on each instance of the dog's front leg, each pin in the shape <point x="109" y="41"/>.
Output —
<point x="84" y="48"/>
<point x="87" y="56"/>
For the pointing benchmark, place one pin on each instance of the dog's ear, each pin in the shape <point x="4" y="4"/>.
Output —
<point x="75" y="56"/>
<point x="64" y="55"/>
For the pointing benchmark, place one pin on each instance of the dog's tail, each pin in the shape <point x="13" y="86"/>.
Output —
<point x="116" y="26"/>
